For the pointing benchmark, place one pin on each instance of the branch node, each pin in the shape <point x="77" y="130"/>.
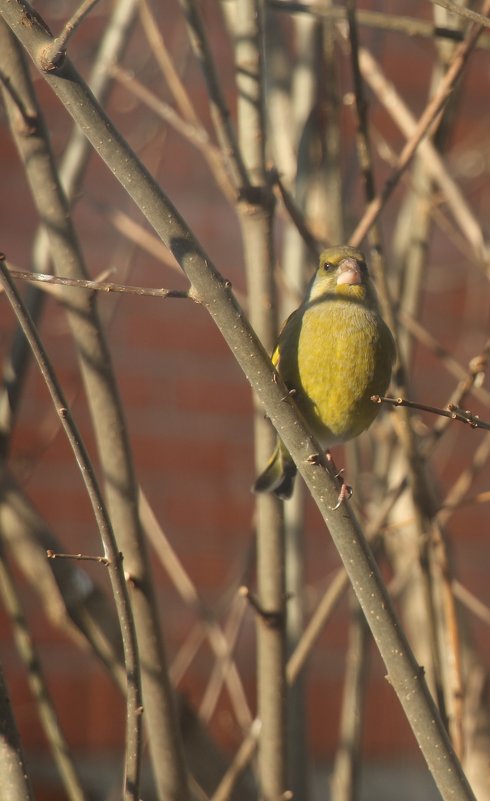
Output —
<point x="478" y="364"/>
<point x="132" y="580"/>
<point x="51" y="58"/>
<point x="272" y="619"/>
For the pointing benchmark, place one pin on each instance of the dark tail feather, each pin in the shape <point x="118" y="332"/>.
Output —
<point x="278" y="476"/>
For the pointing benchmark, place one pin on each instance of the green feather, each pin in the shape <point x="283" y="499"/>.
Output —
<point x="278" y="476"/>
<point x="335" y="351"/>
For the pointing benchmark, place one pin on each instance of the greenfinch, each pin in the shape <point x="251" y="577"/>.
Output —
<point x="333" y="353"/>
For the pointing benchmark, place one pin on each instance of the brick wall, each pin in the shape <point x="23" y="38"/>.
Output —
<point x="189" y="415"/>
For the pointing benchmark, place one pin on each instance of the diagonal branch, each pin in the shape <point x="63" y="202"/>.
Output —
<point x="214" y="292"/>
<point x="107" y="417"/>
<point x="422" y="129"/>
<point x="116" y="573"/>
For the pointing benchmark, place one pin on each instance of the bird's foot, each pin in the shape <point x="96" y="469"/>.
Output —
<point x="345" y="490"/>
<point x="345" y="494"/>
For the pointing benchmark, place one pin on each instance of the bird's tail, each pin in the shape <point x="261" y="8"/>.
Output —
<point x="278" y="476"/>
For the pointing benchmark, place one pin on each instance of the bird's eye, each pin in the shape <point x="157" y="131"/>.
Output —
<point x="328" y="266"/>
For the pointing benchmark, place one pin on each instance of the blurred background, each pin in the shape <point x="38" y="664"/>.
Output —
<point x="189" y="410"/>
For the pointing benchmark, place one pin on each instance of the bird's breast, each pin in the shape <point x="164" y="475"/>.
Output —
<point x="344" y="355"/>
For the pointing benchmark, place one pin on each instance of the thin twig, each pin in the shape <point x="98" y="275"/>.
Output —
<point x="209" y="625"/>
<point x="72" y="167"/>
<point x="54" y="53"/>
<point x="477" y="366"/>
<point x="186" y="653"/>
<point x="166" y="63"/>
<point x="103" y="560"/>
<point x="424" y="125"/>
<point x="462" y="11"/>
<point x="471" y="602"/>
<point x="28" y="653"/>
<point x="465" y="480"/>
<point x="120" y="590"/>
<point x="219" y="110"/>
<point x="394" y="23"/>
<point x="315" y="626"/>
<point x="448" y="636"/>
<point x="364" y="153"/>
<point x="87" y="615"/>
<point x="474" y="375"/>
<point x="224" y="667"/>
<point x="297" y="216"/>
<point x="432" y="159"/>
<point x="240" y="762"/>
<point x="193" y="132"/>
<point x="136" y="233"/>
<point x="107" y="417"/>
<point x="98" y="286"/>
<point x="421" y="494"/>
<point x="452" y="412"/>
<point x="402" y="667"/>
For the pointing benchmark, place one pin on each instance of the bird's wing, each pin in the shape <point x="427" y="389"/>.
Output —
<point x="276" y="353"/>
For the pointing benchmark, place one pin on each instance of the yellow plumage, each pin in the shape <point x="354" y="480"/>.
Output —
<point x="334" y="351"/>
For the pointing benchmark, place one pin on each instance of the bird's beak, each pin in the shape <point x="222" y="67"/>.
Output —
<point x="349" y="272"/>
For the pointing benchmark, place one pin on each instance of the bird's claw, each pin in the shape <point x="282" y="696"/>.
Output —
<point x="345" y="494"/>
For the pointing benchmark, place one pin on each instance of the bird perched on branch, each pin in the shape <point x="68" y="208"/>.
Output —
<point x="333" y="353"/>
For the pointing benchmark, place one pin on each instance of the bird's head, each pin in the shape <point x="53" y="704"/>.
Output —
<point x="341" y="271"/>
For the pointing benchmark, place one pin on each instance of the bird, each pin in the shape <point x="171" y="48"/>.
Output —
<point x="333" y="353"/>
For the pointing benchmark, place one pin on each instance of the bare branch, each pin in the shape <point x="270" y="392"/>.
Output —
<point x="433" y="161"/>
<point x="193" y="131"/>
<point x="345" y="775"/>
<point x="219" y="110"/>
<point x="39" y="688"/>
<point x="462" y="11"/>
<point x="209" y="625"/>
<point x="56" y="51"/>
<point x="424" y="125"/>
<point x="15" y="784"/>
<point x="256" y="209"/>
<point x="98" y="286"/>
<point x="214" y="292"/>
<point x="73" y="165"/>
<point x="121" y="596"/>
<point x="108" y="421"/>
<point x="164" y="60"/>
<point x="452" y="412"/>
<point x="297" y="217"/>
<point x="394" y="23"/>
<point x="102" y="560"/>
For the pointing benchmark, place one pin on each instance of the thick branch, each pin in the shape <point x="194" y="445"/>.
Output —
<point x="214" y="292"/>
<point x="107" y="416"/>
